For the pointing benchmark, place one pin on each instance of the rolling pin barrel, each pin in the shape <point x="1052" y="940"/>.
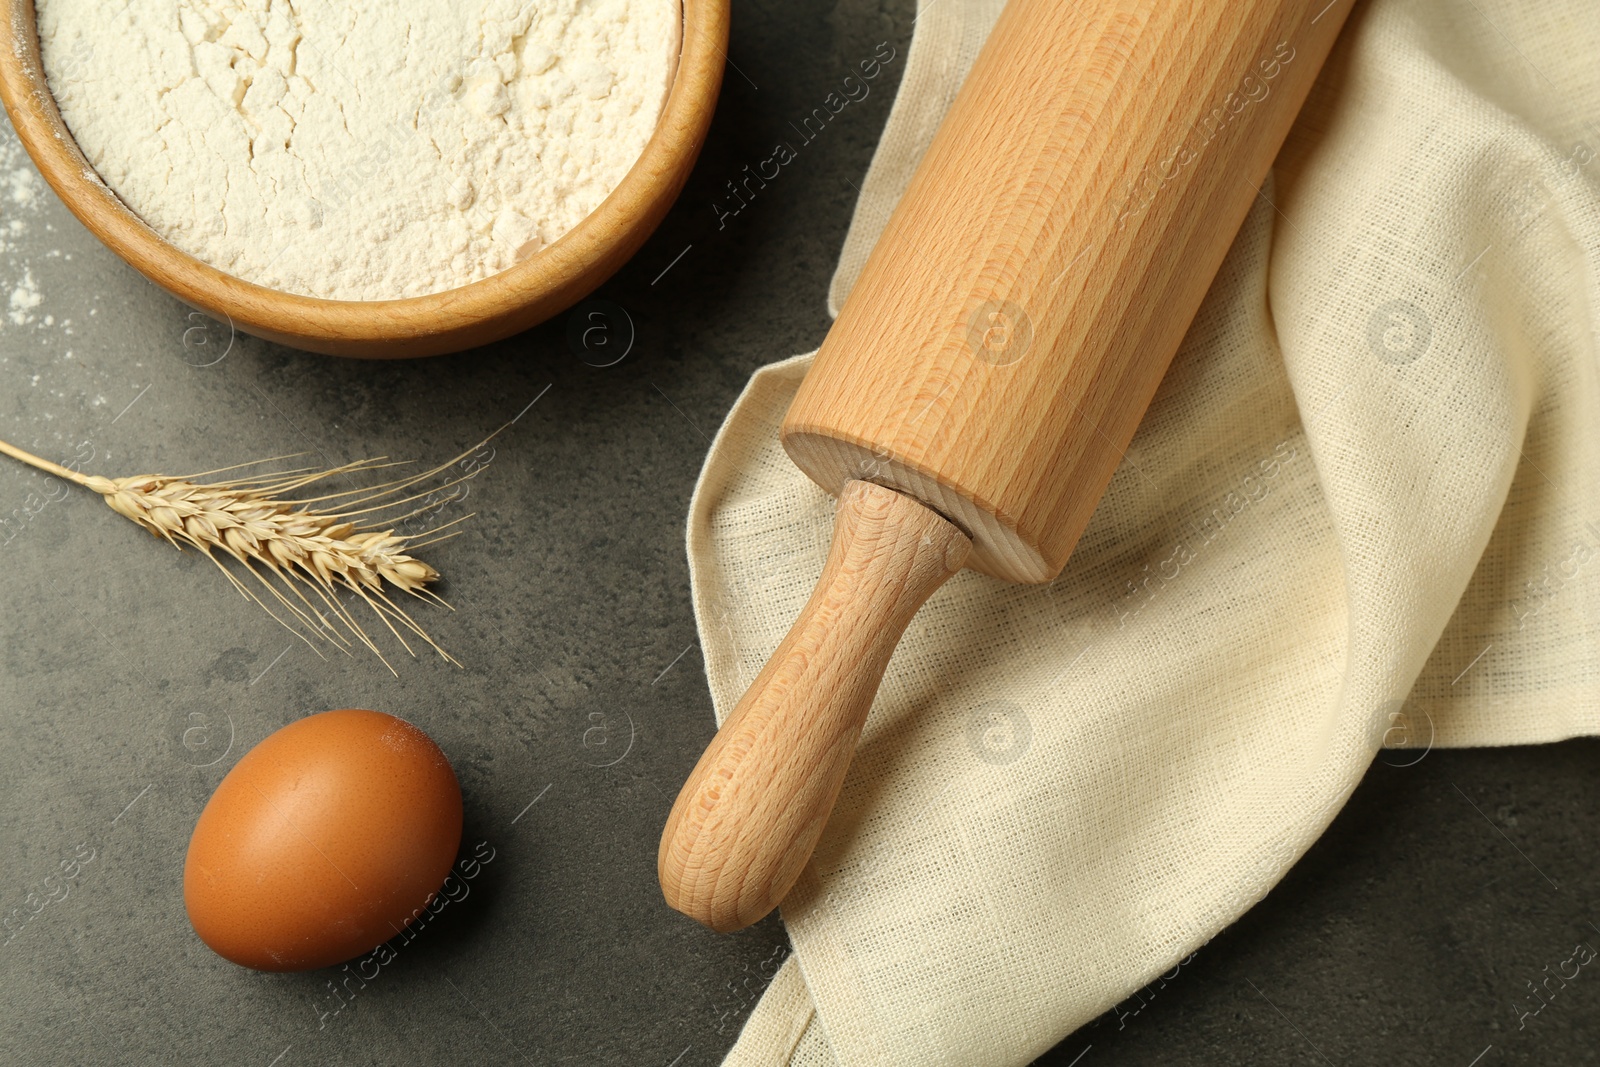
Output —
<point x="991" y="366"/>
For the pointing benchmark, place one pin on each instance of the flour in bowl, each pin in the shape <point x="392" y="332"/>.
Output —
<point x="360" y="149"/>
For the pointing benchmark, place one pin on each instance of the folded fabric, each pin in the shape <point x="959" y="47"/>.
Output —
<point x="1363" y="510"/>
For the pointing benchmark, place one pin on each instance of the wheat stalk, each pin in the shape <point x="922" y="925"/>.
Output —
<point x="325" y="546"/>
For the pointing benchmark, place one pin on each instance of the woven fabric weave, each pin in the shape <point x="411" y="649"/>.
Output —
<point x="1364" y="510"/>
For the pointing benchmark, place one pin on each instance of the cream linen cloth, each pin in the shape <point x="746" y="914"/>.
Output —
<point x="1363" y="510"/>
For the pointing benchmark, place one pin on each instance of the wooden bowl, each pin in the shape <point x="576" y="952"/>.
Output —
<point x="515" y="299"/>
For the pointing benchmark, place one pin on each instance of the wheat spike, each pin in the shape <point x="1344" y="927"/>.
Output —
<point x="304" y="553"/>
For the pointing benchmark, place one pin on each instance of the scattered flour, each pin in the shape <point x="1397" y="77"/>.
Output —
<point x="24" y="298"/>
<point x="17" y="184"/>
<point x="22" y="187"/>
<point x="360" y="149"/>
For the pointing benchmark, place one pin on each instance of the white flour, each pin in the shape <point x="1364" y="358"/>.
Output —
<point x="360" y="149"/>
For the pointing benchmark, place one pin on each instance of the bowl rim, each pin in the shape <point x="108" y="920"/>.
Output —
<point x="485" y="310"/>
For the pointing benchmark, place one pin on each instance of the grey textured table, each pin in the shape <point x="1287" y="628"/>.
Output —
<point x="131" y="679"/>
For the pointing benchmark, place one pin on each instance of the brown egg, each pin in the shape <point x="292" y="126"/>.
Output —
<point x="323" y="842"/>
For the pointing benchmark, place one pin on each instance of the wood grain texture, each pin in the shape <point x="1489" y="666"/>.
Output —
<point x="514" y="300"/>
<point x="1015" y="318"/>
<point x="751" y="812"/>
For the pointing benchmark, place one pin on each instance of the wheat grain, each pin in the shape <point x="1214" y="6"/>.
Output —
<point x="306" y="554"/>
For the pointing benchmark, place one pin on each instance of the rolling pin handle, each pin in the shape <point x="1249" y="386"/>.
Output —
<point x="751" y="812"/>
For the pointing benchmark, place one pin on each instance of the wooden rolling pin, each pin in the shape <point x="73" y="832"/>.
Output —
<point x="991" y="365"/>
